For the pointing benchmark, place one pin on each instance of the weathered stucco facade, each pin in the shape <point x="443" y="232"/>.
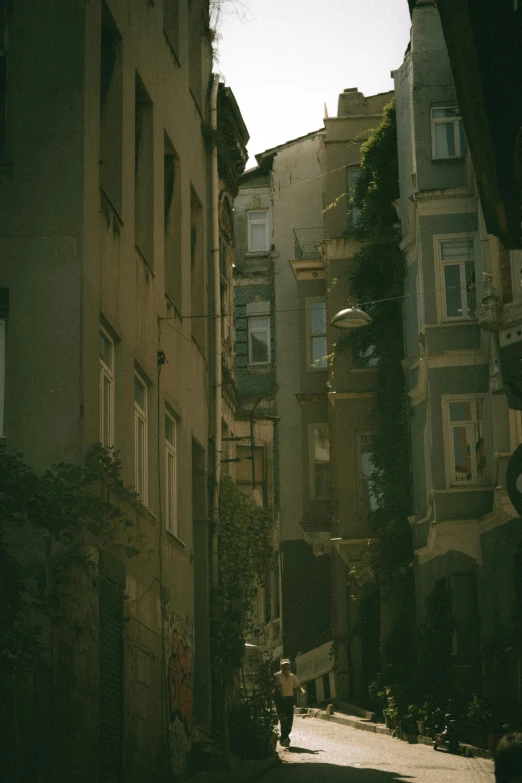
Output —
<point x="105" y="276"/>
<point x="462" y="432"/>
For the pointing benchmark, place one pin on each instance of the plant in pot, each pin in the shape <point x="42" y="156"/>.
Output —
<point x="391" y="711"/>
<point x="476" y="720"/>
<point x="409" y="723"/>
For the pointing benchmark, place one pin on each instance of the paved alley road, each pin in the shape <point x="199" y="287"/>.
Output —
<point x="324" y="752"/>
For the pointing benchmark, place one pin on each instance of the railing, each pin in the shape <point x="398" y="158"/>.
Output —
<point x="306" y="241"/>
<point x="313" y="664"/>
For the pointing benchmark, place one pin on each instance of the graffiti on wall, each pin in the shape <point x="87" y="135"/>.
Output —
<point x="180" y="687"/>
<point x="180" y="682"/>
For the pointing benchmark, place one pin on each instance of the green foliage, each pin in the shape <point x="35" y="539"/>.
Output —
<point x="377" y="282"/>
<point x="378" y="185"/>
<point x="45" y="522"/>
<point x="245" y="557"/>
<point x="253" y="718"/>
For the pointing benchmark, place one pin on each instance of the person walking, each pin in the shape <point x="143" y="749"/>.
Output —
<point x="285" y="685"/>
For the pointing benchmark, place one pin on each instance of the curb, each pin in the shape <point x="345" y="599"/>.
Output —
<point x="379" y="728"/>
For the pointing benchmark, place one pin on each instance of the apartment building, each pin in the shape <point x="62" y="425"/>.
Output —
<point x="466" y="533"/>
<point x="351" y="405"/>
<point x="280" y="204"/>
<point x="107" y="202"/>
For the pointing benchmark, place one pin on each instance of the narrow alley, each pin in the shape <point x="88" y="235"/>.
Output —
<point x="323" y="752"/>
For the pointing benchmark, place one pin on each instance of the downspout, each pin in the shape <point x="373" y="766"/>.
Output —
<point x="217" y="326"/>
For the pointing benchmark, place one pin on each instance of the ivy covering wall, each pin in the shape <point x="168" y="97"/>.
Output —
<point x="377" y="285"/>
<point x="246" y="534"/>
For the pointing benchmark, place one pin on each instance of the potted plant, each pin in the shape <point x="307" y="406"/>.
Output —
<point x="476" y="719"/>
<point x="409" y="721"/>
<point x="391" y="711"/>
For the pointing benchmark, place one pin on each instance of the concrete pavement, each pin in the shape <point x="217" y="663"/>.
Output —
<point x="327" y="752"/>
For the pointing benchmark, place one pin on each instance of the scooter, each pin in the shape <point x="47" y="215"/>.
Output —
<point x="448" y="737"/>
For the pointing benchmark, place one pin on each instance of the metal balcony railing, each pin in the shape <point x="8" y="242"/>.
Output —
<point x="306" y="241"/>
<point x="315" y="663"/>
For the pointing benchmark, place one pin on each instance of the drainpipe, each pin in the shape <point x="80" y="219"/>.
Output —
<point x="217" y="326"/>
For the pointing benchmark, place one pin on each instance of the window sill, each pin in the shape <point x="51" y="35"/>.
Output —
<point x="143" y="511"/>
<point x="452" y="322"/>
<point x="468" y="488"/>
<point x="175" y="540"/>
<point x="257" y="253"/>
<point x="172" y="49"/>
<point x="140" y="254"/>
<point x="447" y="160"/>
<point x="259" y="369"/>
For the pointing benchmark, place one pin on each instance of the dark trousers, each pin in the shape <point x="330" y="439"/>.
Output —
<point x="285" y="713"/>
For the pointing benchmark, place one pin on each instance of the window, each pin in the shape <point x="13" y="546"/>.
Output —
<point x="198" y="301"/>
<point x="111" y="110"/>
<point x="172" y="224"/>
<point x="320" y="461"/>
<point x="366" y="356"/>
<point x="317" y="347"/>
<point x="171" y="23"/>
<point x="464" y="425"/>
<point x="457" y="284"/>
<point x="447" y="133"/>
<point x="259" y="340"/>
<point x="3" y="80"/>
<point x="171" y="487"/>
<point x="144" y="174"/>
<point x="368" y="499"/>
<point x="140" y="438"/>
<point x="258" y="231"/>
<point x="106" y="390"/>
<point x="351" y="183"/>
<point x="195" y="32"/>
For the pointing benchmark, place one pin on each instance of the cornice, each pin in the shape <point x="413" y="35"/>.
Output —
<point x="463" y="358"/>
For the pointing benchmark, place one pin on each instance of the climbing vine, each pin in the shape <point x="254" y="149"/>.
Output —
<point x="245" y="557"/>
<point x="377" y="281"/>
<point x="46" y="520"/>
<point x="377" y="285"/>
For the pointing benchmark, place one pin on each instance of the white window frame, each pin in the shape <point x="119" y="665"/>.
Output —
<point x="107" y="375"/>
<point x="141" y="416"/>
<point x="257" y="222"/>
<point x="311" y="365"/>
<point x="171" y="479"/>
<point x="472" y="425"/>
<point x="253" y="330"/>
<point x="362" y="478"/>
<point x="458" y="132"/>
<point x="438" y="239"/>
<point x="2" y="375"/>
<point x="311" y="452"/>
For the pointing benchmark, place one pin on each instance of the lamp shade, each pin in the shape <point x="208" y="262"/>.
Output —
<point x="351" y="318"/>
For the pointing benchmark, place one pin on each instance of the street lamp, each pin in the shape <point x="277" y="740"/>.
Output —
<point x="350" y="318"/>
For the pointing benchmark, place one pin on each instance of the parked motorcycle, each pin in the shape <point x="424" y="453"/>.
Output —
<point x="448" y="737"/>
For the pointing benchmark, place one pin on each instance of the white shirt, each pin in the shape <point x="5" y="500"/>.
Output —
<point x="288" y="684"/>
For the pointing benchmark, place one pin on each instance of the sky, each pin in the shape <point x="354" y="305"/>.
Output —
<point x="284" y="59"/>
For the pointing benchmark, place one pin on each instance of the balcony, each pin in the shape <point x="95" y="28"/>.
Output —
<point x="315" y="663"/>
